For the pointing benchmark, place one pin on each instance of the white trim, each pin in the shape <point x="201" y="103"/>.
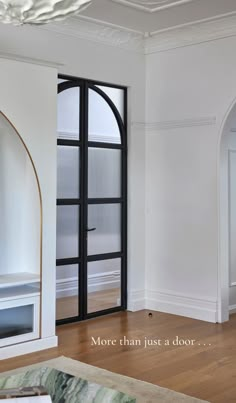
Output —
<point x="96" y="282"/>
<point x="66" y="135"/>
<point x="140" y="5"/>
<point x="86" y="28"/>
<point x="223" y="218"/>
<point x="195" y="307"/>
<point x="67" y="287"/>
<point x="82" y="27"/>
<point x="32" y="60"/>
<point x="105" y="138"/>
<point x="232" y="309"/>
<point x="205" y="30"/>
<point x="98" y="137"/>
<point x="174" y="124"/>
<point x="196" y="22"/>
<point x="85" y="18"/>
<point x="136" y="300"/>
<point x="230" y="152"/>
<point x="29" y="347"/>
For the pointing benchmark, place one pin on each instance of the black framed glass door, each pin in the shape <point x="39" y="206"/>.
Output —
<point x="91" y="199"/>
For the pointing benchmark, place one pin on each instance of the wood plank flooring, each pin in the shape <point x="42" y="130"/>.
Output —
<point x="206" y="369"/>
<point x="67" y="307"/>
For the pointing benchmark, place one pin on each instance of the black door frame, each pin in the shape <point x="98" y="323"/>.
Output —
<point x="83" y="143"/>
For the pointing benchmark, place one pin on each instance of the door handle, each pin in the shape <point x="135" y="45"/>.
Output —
<point x="91" y="229"/>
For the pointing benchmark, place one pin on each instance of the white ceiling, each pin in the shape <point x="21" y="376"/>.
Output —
<point x="151" y="16"/>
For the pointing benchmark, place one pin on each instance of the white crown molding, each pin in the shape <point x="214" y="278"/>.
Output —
<point x="86" y="28"/>
<point x="20" y="58"/>
<point x="206" y="30"/>
<point x="152" y="6"/>
<point x="98" y="31"/>
<point x="174" y="124"/>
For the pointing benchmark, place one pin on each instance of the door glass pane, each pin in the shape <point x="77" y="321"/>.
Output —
<point x="16" y="321"/>
<point x="61" y="80"/>
<point x="106" y="238"/>
<point x="67" y="231"/>
<point x="67" y="172"/>
<point x="104" y="173"/>
<point x="104" y="284"/>
<point x="68" y="114"/>
<point x="67" y="292"/>
<point x="117" y="97"/>
<point x="103" y="126"/>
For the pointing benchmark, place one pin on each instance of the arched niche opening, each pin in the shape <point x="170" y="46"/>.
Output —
<point x="227" y="215"/>
<point x="20" y="210"/>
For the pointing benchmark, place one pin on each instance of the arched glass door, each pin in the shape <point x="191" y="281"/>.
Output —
<point x="91" y="199"/>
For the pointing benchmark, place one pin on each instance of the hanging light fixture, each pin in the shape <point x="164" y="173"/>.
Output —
<point x="36" y="12"/>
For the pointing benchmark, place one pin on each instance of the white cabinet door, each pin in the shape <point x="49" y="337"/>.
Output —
<point x="19" y="320"/>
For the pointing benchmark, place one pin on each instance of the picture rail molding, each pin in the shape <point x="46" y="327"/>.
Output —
<point x="174" y="124"/>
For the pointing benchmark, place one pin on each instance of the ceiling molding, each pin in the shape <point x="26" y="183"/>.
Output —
<point x="105" y="23"/>
<point x="206" y="30"/>
<point x="98" y="31"/>
<point x="152" y="6"/>
<point x="86" y="28"/>
<point x="153" y="127"/>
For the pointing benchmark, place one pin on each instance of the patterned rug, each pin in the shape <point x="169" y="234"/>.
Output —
<point x="64" y="388"/>
<point x="90" y="379"/>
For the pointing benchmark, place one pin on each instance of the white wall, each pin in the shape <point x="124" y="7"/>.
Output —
<point x="186" y="89"/>
<point x="188" y="93"/>
<point x="20" y="208"/>
<point x="28" y="99"/>
<point x="87" y="59"/>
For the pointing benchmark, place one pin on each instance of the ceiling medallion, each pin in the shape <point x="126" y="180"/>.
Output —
<point x="36" y="12"/>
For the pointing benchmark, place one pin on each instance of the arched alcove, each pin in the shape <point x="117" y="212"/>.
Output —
<point x="20" y="206"/>
<point x="227" y="142"/>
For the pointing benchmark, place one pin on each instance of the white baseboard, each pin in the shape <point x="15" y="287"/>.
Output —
<point x="96" y="282"/>
<point x="232" y="309"/>
<point x="28" y="347"/>
<point x="194" y="307"/>
<point x="136" y="300"/>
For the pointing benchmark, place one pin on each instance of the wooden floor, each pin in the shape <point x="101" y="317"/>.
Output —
<point x="67" y="307"/>
<point x="206" y="370"/>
